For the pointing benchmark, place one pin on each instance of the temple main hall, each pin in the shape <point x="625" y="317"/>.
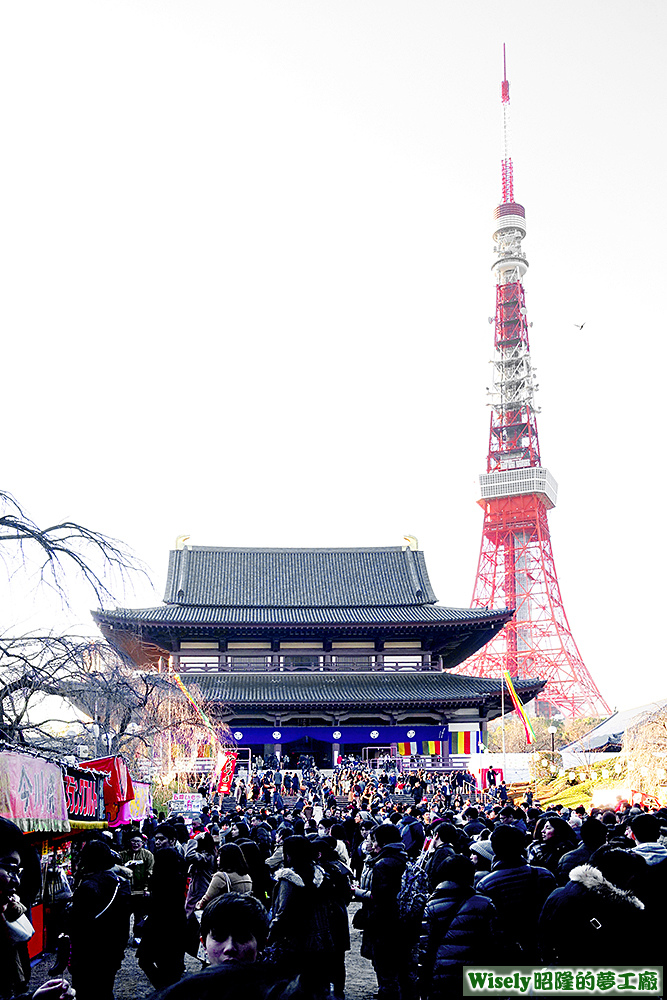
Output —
<point x="320" y="651"/>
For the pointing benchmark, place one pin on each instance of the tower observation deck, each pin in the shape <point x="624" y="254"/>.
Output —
<point x="516" y="566"/>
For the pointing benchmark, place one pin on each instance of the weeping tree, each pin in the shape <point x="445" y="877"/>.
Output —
<point x="72" y="696"/>
<point x="139" y="713"/>
<point x="645" y="749"/>
<point x="36" y="669"/>
<point x="119" y="709"/>
<point x="32" y="668"/>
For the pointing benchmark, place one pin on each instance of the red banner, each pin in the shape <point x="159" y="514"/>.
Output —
<point x="118" y="788"/>
<point x="228" y="763"/>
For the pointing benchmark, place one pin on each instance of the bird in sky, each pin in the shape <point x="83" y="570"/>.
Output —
<point x="580" y="326"/>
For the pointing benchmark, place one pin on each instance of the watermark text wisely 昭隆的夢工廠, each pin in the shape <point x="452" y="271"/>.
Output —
<point x="609" y="981"/>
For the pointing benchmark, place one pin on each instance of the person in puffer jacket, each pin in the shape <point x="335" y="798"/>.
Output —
<point x="518" y="891"/>
<point x="459" y="928"/>
<point x="596" y="919"/>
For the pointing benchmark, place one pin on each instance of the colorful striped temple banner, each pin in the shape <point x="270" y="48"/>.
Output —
<point x="406" y="749"/>
<point x="461" y="743"/>
<point x="516" y="701"/>
<point x="432" y="747"/>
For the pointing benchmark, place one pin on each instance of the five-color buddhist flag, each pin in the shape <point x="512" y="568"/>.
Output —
<point x="432" y="747"/>
<point x="460" y="743"/>
<point x="406" y="749"/>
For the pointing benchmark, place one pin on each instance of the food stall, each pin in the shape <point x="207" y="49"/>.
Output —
<point x="32" y="795"/>
<point x="57" y="805"/>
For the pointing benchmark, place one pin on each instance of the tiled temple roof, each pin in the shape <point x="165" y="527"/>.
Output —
<point x="353" y="690"/>
<point x="364" y="616"/>
<point x="298" y="578"/>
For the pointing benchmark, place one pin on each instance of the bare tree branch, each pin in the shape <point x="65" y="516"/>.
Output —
<point x="64" y="545"/>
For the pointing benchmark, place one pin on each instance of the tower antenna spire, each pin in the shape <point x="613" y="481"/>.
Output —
<point x="516" y="567"/>
<point x="507" y="171"/>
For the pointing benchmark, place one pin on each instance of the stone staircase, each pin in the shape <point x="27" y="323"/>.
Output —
<point x="517" y="790"/>
<point x="228" y="803"/>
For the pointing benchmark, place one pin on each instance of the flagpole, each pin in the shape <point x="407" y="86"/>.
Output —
<point x="502" y="716"/>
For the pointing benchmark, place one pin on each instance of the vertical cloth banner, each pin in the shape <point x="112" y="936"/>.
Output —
<point x="433" y="747"/>
<point x="461" y="743"/>
<point x="227" y="765"/>
<point x="141" y="806"/>
<point x="406" y="749"/>
<point x="521" y="712"/>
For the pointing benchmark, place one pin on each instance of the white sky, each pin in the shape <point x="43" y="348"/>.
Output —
<point x="245" y="257"/>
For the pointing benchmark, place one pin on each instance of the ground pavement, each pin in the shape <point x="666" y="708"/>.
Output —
<point x="132" y="984"/>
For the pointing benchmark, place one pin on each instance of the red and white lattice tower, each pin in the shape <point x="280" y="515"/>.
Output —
<point x="516" y="565"/>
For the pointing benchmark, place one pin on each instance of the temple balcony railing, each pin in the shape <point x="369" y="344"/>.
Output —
<point x="279" y="663"/>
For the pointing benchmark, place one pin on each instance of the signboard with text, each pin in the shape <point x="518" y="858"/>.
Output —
<point x="84" y="792"/>
<point x="32" y="794"/>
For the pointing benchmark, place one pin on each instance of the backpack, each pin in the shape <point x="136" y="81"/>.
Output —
<point x="413" y="893"/>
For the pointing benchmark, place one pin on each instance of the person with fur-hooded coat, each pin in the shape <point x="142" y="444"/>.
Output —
<point x="300" y="936"/>
<point x="596" y="919"/>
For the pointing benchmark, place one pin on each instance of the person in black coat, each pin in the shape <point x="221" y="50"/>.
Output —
<point x="259" y="873"/>
<point x="99" y="923"/>
<point x="459" y="928"/>
<point x="338" y="894"/>
<point x="651" y="885"/>
<point x="14" y="961"/>
<point x="381" y="942"/>
<point x="596" y="919"/>
<point x="161" y="953"/>
<point x="300" y="936"/>
<point x="551" y="840"/>
<point x="518" y="891"/>
<point x="444" y="836"/>
<point x="412" y="832"/>
<point x="593" y="835"/>
<point x="474" y="825"/>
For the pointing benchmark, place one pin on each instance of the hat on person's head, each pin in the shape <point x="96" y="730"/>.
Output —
<point x="483" y="848"/>
<point x="96" y="856"/>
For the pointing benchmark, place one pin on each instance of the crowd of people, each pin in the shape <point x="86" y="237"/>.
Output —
<point x="263" y="892"/>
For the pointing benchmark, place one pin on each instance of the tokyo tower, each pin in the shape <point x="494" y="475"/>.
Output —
<point x="516" y="565"/>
